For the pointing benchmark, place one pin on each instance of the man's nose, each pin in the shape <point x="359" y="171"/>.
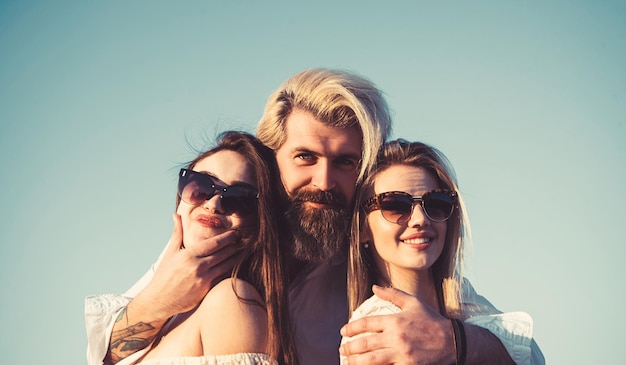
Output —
<point x="323" y="176"/>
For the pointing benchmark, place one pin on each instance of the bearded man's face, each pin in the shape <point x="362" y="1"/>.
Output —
<point x="319" y="166"/>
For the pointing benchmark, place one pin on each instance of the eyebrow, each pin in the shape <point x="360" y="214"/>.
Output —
<point x="352" y="156"/>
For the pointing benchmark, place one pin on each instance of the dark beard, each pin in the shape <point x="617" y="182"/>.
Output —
<point x="318" y="234"/>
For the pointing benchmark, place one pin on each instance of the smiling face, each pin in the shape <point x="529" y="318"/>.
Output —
<point x="209" y="218"/>
<point x="319" y="166"/>
<point x="316" y="156"/>
<point x="406" y="250"/>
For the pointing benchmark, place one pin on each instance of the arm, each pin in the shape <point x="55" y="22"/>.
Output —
<point x="484" y="348"/>
<point x="101" y="312"/>
<point x="180" y="281"/>
<point x="134" y="329"/>
<point x="416" y="335"/>
<point x="513" y="329"/>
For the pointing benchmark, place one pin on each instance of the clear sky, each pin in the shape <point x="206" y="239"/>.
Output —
<point x="101" y="100"/>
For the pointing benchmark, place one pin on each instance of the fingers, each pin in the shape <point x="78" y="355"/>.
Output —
<point x="360" y="345"/>
<point x="362" y="325"/>
<point x="378" y="357"/>
<point x="209" y="246"/>
<point x="217" y="258"/>
<point x="393" y="295"/>
<point x="366" y="350"/>
<point x="214" y="244"/>
<point x="208" y="258"/>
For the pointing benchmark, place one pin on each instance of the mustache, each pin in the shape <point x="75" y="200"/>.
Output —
<point x="335" y="200"/>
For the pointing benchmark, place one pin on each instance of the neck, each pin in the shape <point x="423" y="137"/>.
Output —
<point x="419" y="284"/>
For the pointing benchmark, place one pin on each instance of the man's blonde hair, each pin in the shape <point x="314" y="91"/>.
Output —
<point x="337" y="98"/>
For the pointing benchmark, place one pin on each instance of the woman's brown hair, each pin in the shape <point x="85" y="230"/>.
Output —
<point x="261" y="261"/>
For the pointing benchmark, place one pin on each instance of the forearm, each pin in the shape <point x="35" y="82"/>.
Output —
<point x="135" y="328"/>
<point x="100" y="314"/>
<point x="483" y="347"/>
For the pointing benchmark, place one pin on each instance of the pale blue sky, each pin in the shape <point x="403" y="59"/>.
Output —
<point x="99" y="101"/>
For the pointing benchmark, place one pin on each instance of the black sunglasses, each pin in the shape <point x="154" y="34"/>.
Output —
<point x="195" y="188"/>
<point x="397" y="206"/>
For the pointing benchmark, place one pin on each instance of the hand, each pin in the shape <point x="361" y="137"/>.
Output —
<point x="416" y="335"/>
<point x="185" y="274"/>
<point x="181" y="280"/>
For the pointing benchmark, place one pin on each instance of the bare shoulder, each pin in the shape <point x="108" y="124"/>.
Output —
<point x="233" y="319"/>
<point x="231" y="296"/>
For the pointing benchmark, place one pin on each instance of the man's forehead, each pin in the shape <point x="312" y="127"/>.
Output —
<point x="332" y="146"/>
<point x="305" y="132"/>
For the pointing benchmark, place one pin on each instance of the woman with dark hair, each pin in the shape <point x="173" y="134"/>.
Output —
<point x="243" y="319"/>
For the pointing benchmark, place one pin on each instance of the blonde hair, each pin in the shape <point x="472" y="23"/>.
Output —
<point x="337" y="98"/>
<point x="447" y="270"/>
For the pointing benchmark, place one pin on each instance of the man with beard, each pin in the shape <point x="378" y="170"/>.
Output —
<point x="326" y="127"/>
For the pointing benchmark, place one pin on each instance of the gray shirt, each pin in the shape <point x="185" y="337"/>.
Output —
<point x="318" y="306"/>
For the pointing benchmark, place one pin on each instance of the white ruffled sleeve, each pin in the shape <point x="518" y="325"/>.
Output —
<point x="513" y="329"/>
<point x="100" y="314"/>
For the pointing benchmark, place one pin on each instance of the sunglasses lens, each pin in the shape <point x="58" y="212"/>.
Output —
<point x="195" y="188"/>
<point x="438" y="206"/>
<point x="239" y="201"/>
<point x="396" y="208"/>
<point x="195" y="193"/>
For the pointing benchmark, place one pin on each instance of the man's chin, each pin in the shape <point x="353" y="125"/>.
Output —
<point x="319" y="230"/>
<point x="317" y="256"/>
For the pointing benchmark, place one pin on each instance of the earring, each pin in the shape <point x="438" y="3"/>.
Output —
<point x="366" y="244"/>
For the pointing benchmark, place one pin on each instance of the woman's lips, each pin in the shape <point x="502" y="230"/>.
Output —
<point x="417" y="241"/>
<point x="420" y="241"/>
<point x="210" y="221"/>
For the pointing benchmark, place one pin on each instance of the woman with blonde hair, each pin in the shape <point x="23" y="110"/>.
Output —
<point x="409" y="232"/>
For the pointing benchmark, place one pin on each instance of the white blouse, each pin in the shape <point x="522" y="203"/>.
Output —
<point x="234" y="359"/>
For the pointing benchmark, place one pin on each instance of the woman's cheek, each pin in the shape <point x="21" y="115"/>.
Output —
<point x="185" y="218"/>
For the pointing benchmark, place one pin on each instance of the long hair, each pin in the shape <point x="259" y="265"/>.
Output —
<point x="447" y="270"/>
<point x="337" y="98"/>
<point x="261" y="261"/>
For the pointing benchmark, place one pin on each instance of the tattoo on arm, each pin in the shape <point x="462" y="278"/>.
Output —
<point x="130" y="339"/>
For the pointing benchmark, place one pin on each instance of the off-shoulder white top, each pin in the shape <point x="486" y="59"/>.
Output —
<point x="234" y="359"/>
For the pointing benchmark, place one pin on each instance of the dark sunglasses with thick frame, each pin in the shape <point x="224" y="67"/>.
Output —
<point x="195" y="188"/>
<point x="397" y="206"/>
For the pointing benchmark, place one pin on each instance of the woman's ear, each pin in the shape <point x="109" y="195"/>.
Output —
<point x="365" y="234"/>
